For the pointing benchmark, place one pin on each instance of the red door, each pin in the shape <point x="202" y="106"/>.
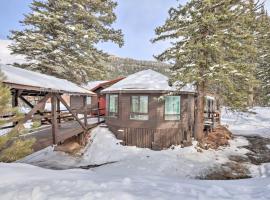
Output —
<point x="102" y="105"/>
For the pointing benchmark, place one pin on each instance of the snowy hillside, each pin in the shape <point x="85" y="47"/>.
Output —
<point x="133" y="173"/>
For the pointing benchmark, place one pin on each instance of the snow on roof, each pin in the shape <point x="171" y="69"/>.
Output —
<point x="15" y="75"/>
<point x="146" y="80"/>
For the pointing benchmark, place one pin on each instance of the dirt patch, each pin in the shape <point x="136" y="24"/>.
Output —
<point x="227" y="171"/>
<point x="259" y="150"/>
<point x="237" y="168"/>
<point x="219" y="137"/>
<point x="70" y="147"/>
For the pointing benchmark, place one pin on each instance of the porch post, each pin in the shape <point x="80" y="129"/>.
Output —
<point x="15" y="99"/>
<point x="15" y="102"/>
<point x="85" y="110"/>
<point x="54" y="118"/>
<point x="58" y="111"/>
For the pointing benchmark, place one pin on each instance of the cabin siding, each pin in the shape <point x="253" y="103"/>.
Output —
<point x="77" y="104"/>
<point x="155" y="133"/>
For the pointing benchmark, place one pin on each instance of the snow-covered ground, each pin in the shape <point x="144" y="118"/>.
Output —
<point x="134" y="173"/>
<point x="177" y="162"/>
<point x="255" y="122"/>
<point x="21" y="181"/>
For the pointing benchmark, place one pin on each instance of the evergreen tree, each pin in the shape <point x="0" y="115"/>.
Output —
<point x="263" y="69"/>
<point x="209" y="48"/>
<point x="60" y="38"/>
<point x="11" y="146"/>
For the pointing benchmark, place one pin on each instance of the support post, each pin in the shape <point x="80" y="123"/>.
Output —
<point x="85" y="110"/>
<point x="54" y="119"/>
<point x="15" y="102"/>
<point x="98" y="112"/>
<point x="58" y="111"/>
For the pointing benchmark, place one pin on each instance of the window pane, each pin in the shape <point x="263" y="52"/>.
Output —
<point x="113" y="104"/>
<point x="139" y="108"/>
<point x="135" y="104"/>
<point x="88" y="100"/>
<point x="172" y="105"/>
<point x="138" y="116"/>
<point x="172" y="117"/>
<point x="143" y="104"/>
<point x="172" y="108"/>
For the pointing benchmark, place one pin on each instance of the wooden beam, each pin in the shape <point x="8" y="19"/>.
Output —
<point x="54" y="118"/>
<point x="37" y="107"/>
<point x="31" y="106"/>
<point x="70" y="110"/>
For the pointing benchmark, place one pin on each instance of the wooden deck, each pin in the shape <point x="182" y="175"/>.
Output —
<point x="66" y="130"/>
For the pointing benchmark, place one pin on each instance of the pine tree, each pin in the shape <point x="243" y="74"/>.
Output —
<point x="263" y="69"/>
<point x="11" y="146"/>
<point x="209" y="47"/>
<point x="61" y="38"/>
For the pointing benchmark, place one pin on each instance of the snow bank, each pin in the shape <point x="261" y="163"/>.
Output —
<point x="255" y="122"/>
<point x="133" y="161"/>
<point x="21" y="181"/>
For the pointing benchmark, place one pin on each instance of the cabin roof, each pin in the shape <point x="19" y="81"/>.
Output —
<point x="94" y="85"/>
<point x="146" y="80"/>
<point x="25" y="79"/>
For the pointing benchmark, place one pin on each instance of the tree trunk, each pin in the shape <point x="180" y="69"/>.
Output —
<point x="199" y="113"/>
<point x="250" y="96"/>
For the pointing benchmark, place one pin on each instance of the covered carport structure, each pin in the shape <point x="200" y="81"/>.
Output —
<point x="25" y="84"/>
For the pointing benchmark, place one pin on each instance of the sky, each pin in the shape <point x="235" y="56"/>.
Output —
<point x="136" y="18"/>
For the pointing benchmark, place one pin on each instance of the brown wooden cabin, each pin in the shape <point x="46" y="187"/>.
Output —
<point x="35" y="90"/>
<point x="99" y="101"/>
<point x="144" y="111"/>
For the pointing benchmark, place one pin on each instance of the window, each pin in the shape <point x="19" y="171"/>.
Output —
<point x="88" y="100"/>
<point x="113" y="105"/>
<point x="172" y="108"/>
<point x="139" y="108"/>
